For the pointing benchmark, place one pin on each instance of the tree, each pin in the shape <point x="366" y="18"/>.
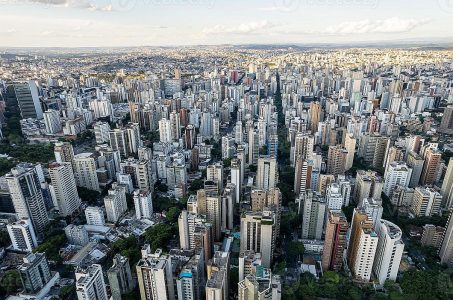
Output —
<point x="173" y="214"/>
<point x="227" y="162"/>
<point x="4" y="239"/>
<point x="11" y="282"/>
<point x="67" y="291"/>
<point x="159" y="235"/>
<point x="196" y="185"/>
<point x="88" y="195"/>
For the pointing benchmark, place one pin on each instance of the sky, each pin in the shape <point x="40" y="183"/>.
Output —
<point x="120" y="23"/>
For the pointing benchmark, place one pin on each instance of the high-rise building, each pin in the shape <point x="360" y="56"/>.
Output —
<point x="258" y="234"/>
<point x="446" y="250"/>
<point x="126" y="140"/>
<point x="76" y="235"/>
<point x="34" y="272"/>
<point x="63" y="188"/>
<point x="217" y="286"/>
<point x="335" y="241"/>
<point x="238" y="133"/>
<point x="95" y="216"/>
<point x="315" y="115"/>
<point x="195" y="232"/>
<point x="336" y="160"/>
<point x="27" y="97"/>
<point x="267" y="174"/>
<point x="426" y="203"/>
<point x="312" y="207"/>
<point x="303" y="176"/>
<point x="210" y="206"/>
<point x="143" y="203"/>
<point x="334" y="197"/>
<point x="115" y="202"/>
<point x="397" y="174"/>
<point x="155" y="276"/>
<point x="432" y="236"/>
<point x="263" y="285"/>
<point x="64" y="152"/>
<point x="362" y="245"/>
<point x="52" y="121"/>
<point x="447" y="187"/>
<point x="120" y="277"/>
<point x="189" y="277"/>
<point x="388" y="252"/>
<point x="26" y="194"/>
<point x="101" y="132"/>
<point x="85" y="171"/>
<point x="349" y="145"/>
<point x="236" y="177"/>
<point x="249" y="263"/>
<point x="446" y="125"/>
<point x="140" y="172"/>
<point x="254" y="147"/>
<point x="373" y="208"/>
<point x="431" y="166"/>
<point x="368" y="185"/>
<point x="175" y="126"/>
<point x="90" y="283"/>
<point x="303" y="148"/>
<point x="215" y="173"/>
<point x="228" y="202"/>
<point x="415" y="162"/>
<point x="22" y="235"/>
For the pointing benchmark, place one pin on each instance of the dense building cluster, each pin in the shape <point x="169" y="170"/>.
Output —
<point x="223" y="173"/>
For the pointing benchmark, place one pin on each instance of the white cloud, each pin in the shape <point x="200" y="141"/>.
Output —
<point x="275" y="8"/>
<point x="390" y="25"/>
<point x="79" y="4"/>
<point x="245" y="28"/>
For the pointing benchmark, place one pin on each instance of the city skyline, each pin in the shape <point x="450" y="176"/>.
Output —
<point x="118" y="23"/>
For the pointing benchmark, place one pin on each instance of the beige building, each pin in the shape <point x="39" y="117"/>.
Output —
<point x="432" y="236"/>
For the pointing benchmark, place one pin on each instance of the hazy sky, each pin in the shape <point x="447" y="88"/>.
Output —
<point x="71" y="23"/>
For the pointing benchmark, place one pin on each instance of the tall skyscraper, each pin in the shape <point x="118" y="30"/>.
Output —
<point x="349" y="145"/>
<point x="397" y="174"/>
<point x="267" y="174"/>
<point x="303" y="148"/>
<point x="95" y="216"/>
<point x="27" y="97"/>
<point x="34" y="272"/>
<point x="85" y="171"/>
<point x="446" y="250"/>
<point x="388" y="252"/>
<point x="336" y="160"/>
<point x="447" y="187"/>
<point x="368" y="185"/>
<point x="115" y="202"/>
<point x="90" y="283"/>
<point x="143" y="204"/>
<point x="426" y="202"/>
<point x="64" y="152"/>
<point x="415" y="162"/>
<point x="335" y="241"/>
<point x="446" y="125"/>
<point x="362" y="245"/>
<point x="120" y="277"/>
<point x="431" y="166"/>
<point x="312" y="207"/>
<point x="63" y="188"/>
<point x="210" y="206"/>
<point x="22" y="235"/>
<point x="25" y="189"/>
<point x="258" y="234"/>
<point x="260" y="286"/>
<point x="236" y="177"/>
<point x="155" y="276"/>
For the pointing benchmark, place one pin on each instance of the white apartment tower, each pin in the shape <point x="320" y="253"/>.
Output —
<point x="85" y="171"/>
<point x="22" y="235"/>
<point x="389" y="252"/>
<point x="90" y="283"/>
<point x="26" y="194"/>
<point x="63" y="188"/>
<point x="267" y="175"/>
<point x="143" y="203"/>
